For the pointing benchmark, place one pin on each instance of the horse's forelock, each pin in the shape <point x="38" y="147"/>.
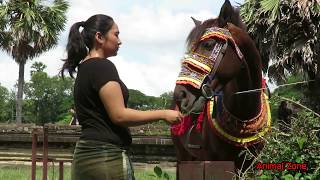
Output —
<point x="197" y="32"/>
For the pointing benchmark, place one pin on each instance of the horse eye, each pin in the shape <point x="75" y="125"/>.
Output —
<point x="209" y="44"/>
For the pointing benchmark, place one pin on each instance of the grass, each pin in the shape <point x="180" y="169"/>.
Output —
<point x="150" y="175"/>
<point x="22" y="172"/>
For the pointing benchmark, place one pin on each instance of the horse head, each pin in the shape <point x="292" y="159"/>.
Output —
<point x="220" y="58"/>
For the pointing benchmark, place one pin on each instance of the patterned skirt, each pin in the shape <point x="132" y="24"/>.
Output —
<point x="96" y="160"/>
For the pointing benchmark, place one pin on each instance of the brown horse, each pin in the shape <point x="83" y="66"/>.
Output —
<point x="219" y="90"/>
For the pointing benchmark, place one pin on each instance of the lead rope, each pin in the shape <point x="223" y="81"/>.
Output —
<point x="282" y="85"/>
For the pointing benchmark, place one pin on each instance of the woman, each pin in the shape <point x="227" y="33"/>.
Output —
<point x="100" y="102"/>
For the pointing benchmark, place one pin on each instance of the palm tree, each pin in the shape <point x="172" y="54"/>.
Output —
<point x="287" y="33"/>
<point x="27" y="29"/>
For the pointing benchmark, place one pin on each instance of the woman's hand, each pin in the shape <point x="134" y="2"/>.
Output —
<point x="172" y="116"/>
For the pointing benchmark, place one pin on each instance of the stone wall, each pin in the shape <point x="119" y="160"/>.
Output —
<point x="144" y="148"/>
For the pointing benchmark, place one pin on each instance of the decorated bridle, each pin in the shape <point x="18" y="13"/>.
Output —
<point x="198" y="70"/>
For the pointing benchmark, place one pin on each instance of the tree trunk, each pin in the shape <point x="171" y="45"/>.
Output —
<point x="317" y="84"/>
<point x="20" y="92"/>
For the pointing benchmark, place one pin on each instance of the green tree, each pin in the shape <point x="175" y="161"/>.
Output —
<point x="48" y="99"/>
<point x="4" y="104"/>
<point x="137" y="100"/>
<point x="167" y="99"/>
<point x="62" y="100"/>
<point x="27" y="29"/>
<point x="37" y="67"/>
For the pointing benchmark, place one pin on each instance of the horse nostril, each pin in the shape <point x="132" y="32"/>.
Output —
<point x="184" y="105"/>
<point x="182" y="95"/>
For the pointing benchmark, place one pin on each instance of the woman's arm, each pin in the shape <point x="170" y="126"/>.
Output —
<point x="112" y="99"/>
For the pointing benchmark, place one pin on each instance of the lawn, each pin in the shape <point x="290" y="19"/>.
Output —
<point x="24" y="173"/>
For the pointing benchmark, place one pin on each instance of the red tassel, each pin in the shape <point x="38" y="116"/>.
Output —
<point x="181" y="128"/>
<point x="264" y="82"/>
<point x="199" y="121"/>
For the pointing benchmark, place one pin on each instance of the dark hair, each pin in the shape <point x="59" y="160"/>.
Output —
<point x="80" y="43"/>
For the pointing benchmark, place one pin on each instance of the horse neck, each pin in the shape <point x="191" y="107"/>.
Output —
<point x="244" y="106"/>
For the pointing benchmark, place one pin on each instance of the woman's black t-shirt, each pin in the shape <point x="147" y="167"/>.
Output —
<point x="93" y="118"/>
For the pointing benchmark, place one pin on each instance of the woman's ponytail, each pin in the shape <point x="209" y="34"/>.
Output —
<point x="76" y="49"/>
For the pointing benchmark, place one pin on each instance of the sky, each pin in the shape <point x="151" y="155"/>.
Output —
<point x="152" y="33"/>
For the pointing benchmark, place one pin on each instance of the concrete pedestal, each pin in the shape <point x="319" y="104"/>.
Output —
<point x="205" y="170"/>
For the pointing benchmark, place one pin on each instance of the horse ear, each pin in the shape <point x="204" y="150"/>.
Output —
<point x="226" y="14"/>
<point x="196" y="22"/>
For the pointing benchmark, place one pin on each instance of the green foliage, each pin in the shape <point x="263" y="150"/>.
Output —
<point x="293" y="91"/>
<point x="4" y="104"/>
<point x="30" y="22"/>
<point x="27" y="29"/>
<point x="161" y="174"/>
<point x="48" y="99"/>
<point x="158" y="171"/>
<point x="138" y="100"/>
<point x="64" y="119"/>
<point x="7" y="104"/>
<point x="299" y="93"/>
<point x="300" y="145"/>
<point x="37" y="67"/>
<point x="285" y="32"/>
<point x="271" y="6"/>
<point x="149" y="175"/>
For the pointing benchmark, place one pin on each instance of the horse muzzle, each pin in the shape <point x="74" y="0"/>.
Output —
<point x="187" y="102"/>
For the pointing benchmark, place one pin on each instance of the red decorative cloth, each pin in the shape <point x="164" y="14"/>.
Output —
<point x="199" y="121"/>
<point x="185" y="125"/>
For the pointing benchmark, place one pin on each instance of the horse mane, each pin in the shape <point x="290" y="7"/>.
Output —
<point x="250" y="52"/>
<point x="198" y="30"/>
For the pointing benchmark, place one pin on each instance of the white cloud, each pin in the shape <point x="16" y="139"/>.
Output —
<point x="143" y="25"/>
<point x="150" y="78"/>
<point x="9" y="71"/>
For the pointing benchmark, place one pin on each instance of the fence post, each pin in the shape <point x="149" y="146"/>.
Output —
<point x="60" y="170"/>
<point x="34" y="153"/>
<point x="45" y="153"/>
<point x="205" y="170"/>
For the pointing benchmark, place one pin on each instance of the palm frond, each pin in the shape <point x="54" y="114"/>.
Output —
<point x="317" y="8"/>
<point x="271" y="7"/>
